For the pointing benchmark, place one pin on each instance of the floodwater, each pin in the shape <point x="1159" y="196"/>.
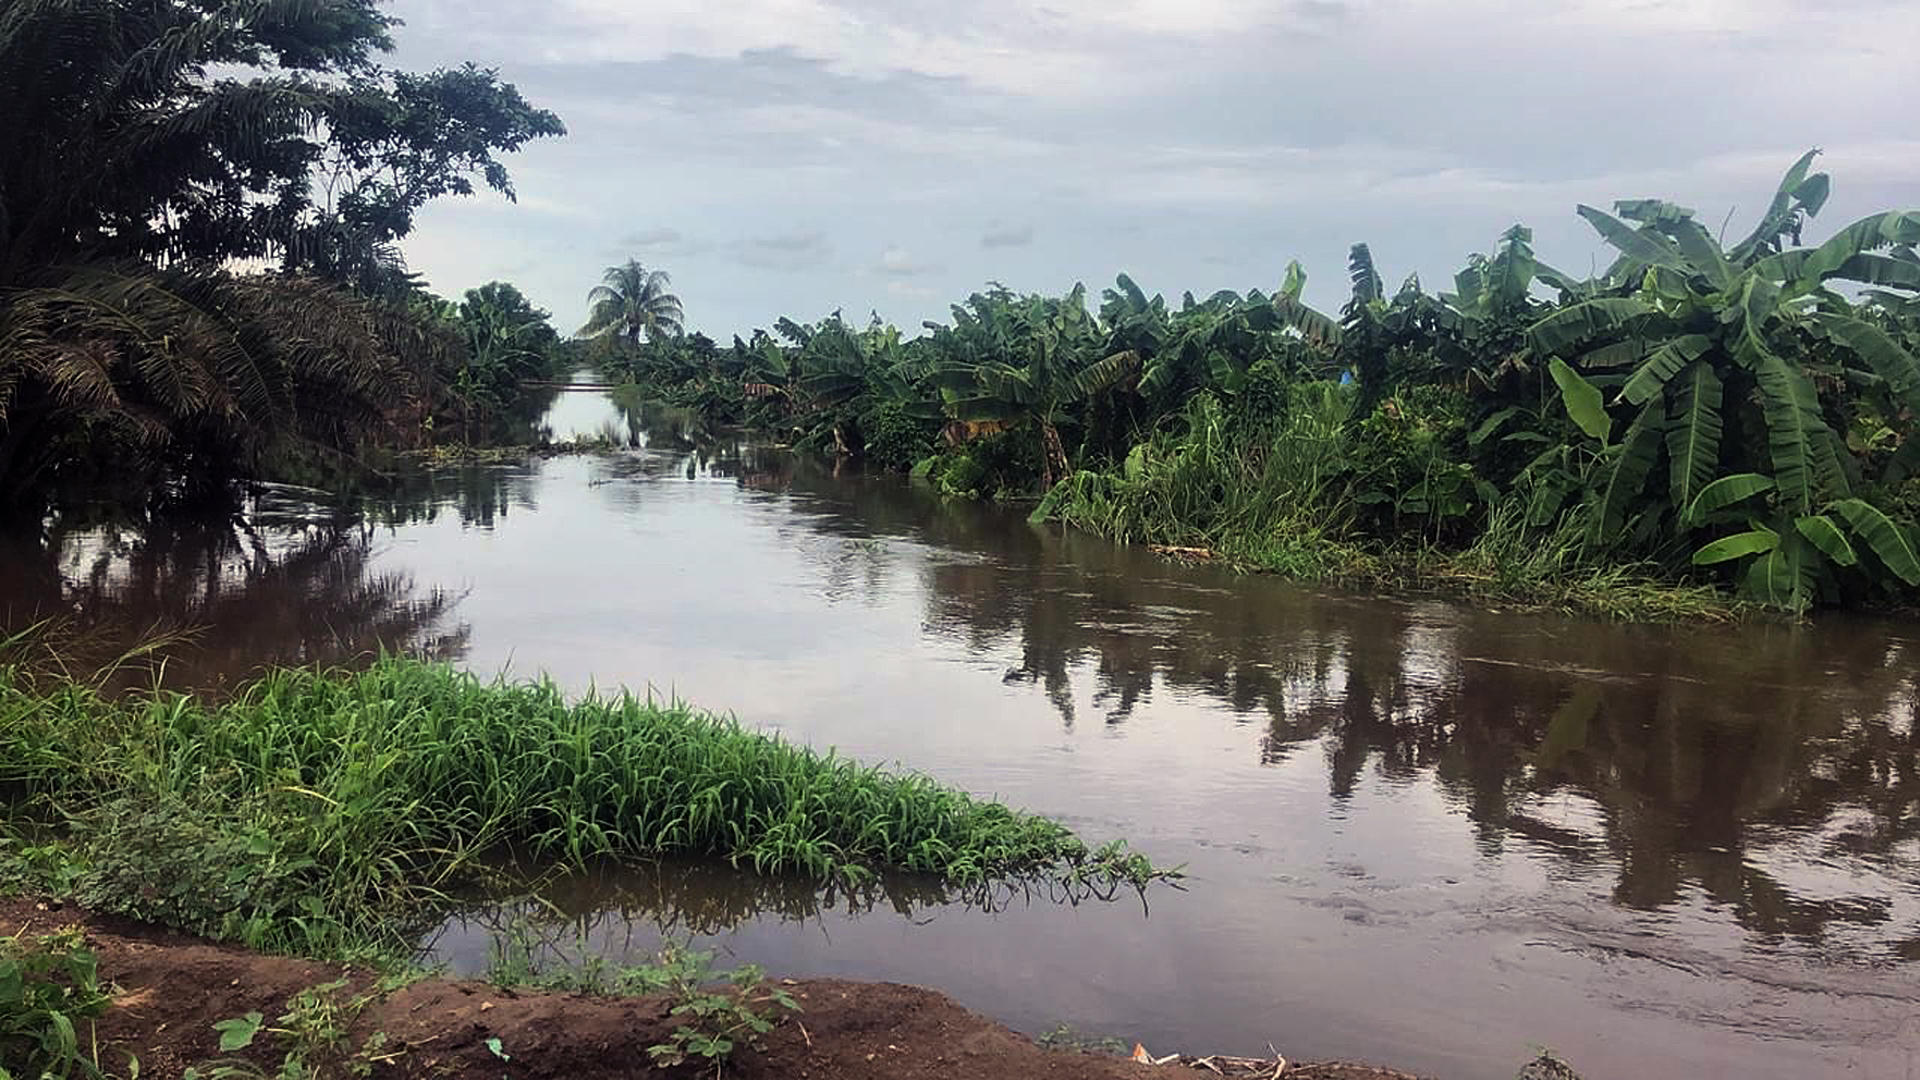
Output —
<point x="1432" y="836"/>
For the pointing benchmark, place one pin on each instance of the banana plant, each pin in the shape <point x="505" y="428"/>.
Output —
<point x="1024" y="360"/>
<point x="1211" y="344"/>
<point x="1740" y="370"/>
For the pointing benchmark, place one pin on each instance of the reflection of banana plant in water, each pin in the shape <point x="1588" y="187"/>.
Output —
<point x="1744" y="371"/>
<point x="1024" y="360"/>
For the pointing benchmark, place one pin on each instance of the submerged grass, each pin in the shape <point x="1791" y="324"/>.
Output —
<point x="313" y="805"/>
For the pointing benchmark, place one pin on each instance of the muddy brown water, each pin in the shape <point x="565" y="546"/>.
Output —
<point x="1429" y="835"/>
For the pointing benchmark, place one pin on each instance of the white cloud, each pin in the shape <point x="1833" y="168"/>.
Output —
<point x="1190" y="142"/>
<point x="896" y="262"/>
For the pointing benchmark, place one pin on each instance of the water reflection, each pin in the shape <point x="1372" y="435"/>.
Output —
<point x="272" y="586"/>
<point x="477" y="495"/>
<point x="1731" y="762"/>
<point x="626" y="910"/>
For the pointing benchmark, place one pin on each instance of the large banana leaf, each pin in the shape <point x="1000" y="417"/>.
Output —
<point x="1614" y="354"/>
<point x="1295" y="281"/>
<point x="1892" y="543"/>
<point x="1880" y="352"/>
<point x="1566" y="284"/>
<point x="1891" y="229"/>
<point x="1872" y="268"/>
<point x="1701" y="250"/>
<point x="1783" y="577"/>
<point x="1643" y="247"/>
<point x="1102" y="374"/>
<point x="1821" y="531"/>
<point x="1793" y="415"/>
<point x="1510" y="275"/>
<point x="1693" y="432"/>
<point x="1556" y="334"/>
<point x="1737" y="546"/>
<point x="1583" y="400"/>
<point x="1367" y="284"/>
<point x="1315" y="327"/>
<point x="1725" y="492"/>
<point x="1628" y="477"/>
<point x="1662" y="365"/>
<point x="1797" y="192"/>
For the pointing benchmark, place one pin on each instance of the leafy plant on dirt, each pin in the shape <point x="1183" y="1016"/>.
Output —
<point x="49" y="987"/>
<point x="313" y="1039"/>
<point x="718" y="1012"/>
<point x="1066" y="1037"/>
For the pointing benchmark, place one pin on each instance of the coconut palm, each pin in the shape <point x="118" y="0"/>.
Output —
<point x="632" y="304"/>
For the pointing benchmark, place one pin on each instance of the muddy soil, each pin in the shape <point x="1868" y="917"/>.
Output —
<point x="171" y="989"/>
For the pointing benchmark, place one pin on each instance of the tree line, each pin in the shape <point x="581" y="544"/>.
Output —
<point x="1727" y="415"/>
<point x="199" y="207"/>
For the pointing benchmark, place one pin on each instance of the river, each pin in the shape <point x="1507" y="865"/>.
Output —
<point x="1432" y="836"/>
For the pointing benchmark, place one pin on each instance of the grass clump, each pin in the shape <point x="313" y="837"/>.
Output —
<point x="313" y="804"/>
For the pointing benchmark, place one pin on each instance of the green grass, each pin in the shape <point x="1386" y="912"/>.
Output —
<point x="1284" y="498"/>
<point x="320" y="810"/>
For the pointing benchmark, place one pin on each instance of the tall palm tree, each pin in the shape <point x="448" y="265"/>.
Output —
<point x="632" y="303"/>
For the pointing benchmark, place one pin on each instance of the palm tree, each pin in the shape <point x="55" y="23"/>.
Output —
<point x="632" y="303"/>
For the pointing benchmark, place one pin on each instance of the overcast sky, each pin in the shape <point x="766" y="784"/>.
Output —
<point x="790" y="157"/>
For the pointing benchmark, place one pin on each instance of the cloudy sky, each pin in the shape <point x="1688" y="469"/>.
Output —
<point x="791" y="157"/>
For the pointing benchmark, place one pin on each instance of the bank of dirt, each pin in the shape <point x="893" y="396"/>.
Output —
<point x="171" y="989"/>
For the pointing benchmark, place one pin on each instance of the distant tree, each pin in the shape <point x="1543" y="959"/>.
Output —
<point x="632" y="304"/>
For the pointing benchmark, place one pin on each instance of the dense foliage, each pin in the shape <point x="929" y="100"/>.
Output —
<point x="1696" y="414"/>
<point x="149" y="146"/>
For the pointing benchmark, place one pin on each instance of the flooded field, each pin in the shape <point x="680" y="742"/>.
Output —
<point x="1431" y="836"/>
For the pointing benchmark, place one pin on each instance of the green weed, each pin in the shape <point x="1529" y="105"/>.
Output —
<point x="50" y="991"/>
<point x="1070" y="1039"/>
<point x="312" y="1039"/>
<point x="714" y="1020"/>
<point x="715" y="1012"/>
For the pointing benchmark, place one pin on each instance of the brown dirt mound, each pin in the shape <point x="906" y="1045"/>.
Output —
<point x="174" y="988"/>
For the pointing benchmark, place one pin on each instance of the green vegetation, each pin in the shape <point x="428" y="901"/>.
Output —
<point x="150" y="147"/>
<point x="328" y="812"/>
<point x="711" y="1022"/>
<point x="50" y="996"/>
<point x="1698" y="429"/>
<point x="312" y="1039"/>
<point x="715" y="1012"/>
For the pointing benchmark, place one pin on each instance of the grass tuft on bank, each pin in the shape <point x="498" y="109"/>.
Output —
<point x="318" y="811"/>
